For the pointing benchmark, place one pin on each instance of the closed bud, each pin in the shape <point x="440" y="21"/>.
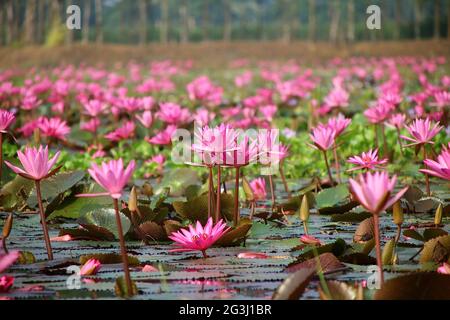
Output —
<point x="132" y="201"/>
<point x="7" y="226"/>
<point x="304" y="209"/>
<point x="147" y="190"/>
<point x="397" y="213"/>
<point x="438" y="215"/>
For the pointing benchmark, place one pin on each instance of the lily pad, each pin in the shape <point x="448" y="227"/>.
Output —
<point x="105" y="218"/>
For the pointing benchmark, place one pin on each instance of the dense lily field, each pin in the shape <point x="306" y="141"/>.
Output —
<point x="253" y="180"/>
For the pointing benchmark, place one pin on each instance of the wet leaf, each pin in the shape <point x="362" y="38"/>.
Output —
<point x="432" y="233"/>
<point x="294" y="285"/>
<point x="338" y="291"/>
<point x="236" y="235"/>
<point x="171" y="226"/>
<point x="88" y="232"/>
<point x="109" y="258"/>
<point x="358" y="258"/>
<point x="412" y="233"/>
<point x="436" y="250"/>
<point x="13" y="195"/>
<point x="328" y="261"/>
<point x="350" y="217"/>
<point x="177" y="181"/>
<point x="56" y="185"/>
<point x="416" y="286"/>
<point x="26" y="257"/>
<point x="365" y="230"/>
<point x="152" y="231"/>
<point x="105" y="218"/>
<point x="332" y="196"/>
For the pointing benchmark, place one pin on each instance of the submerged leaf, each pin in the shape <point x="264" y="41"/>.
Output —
<point x="294" y="285"/>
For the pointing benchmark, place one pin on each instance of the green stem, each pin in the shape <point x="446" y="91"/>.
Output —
<point x="376" y="219"/>
<point x="236" y="198"/>
<point x="43" y="221"/>
<point x="328" y="167"/>
<point x="427" y="178"/>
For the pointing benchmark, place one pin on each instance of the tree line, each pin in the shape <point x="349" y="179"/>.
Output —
<point x="31" y="22"/>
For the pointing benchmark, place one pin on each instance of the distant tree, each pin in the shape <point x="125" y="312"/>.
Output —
<point x="287" y="10"/>
<point x="335" y="12"/>
<point x="98" y="21"/>
<point x="41" y="17"/>
<point x="86" y="20"/>
<point x="10" y="17"/>
<point x="351" y="20"/>
<point x="312" y="20"/>
<point x="205" y="19"/>
<point x="164" y="28"/>
<point x="142" y="22"/>
<point x="398" y="19"/>
<point x="437" y="18"/>
<point x="226" y="20"/>
<point x="448" y="19"/>
<point x="30" y="20"/>
<point x="184" y="19"/>
<point x="418" y="6"/>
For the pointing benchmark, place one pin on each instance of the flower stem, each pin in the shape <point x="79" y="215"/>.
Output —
<point x="210" y="191"/>
<point x="236" y="198"/>
<point x="272" y="191"/>
<point x="399" y="233"/>
<point x="283" y="178"/>
<point x="219" y="173"/>
<point x="336" y="161"/>
<point x="385" y="146"/>
<point x="328" y="167"/>
<point x="204" y="254"/>
<point x="123" y="249"/>
<point x="43" y="222"/>
<point x="376" y="220"/>
<point x="5" y="249"/>
<point x="376" y="135"/>
<point x="427" y="178"/>
<point x="400" y="141"/>
<point x="1" y="156"/>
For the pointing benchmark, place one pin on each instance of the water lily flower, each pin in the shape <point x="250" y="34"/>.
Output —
<point x="203" y="90"/>
<point x="172" y="113"/>
<point x="338" y="97"/>
<point x="339" y="124"/>
<point x="379" y="113"/>
<point x="441" y="167"/>
<point x="258" y="187"/>
<point x="310" y="240"/>
<point x="367" y="160"/>
<point x="94" y="108"/>
<point x="422" y="132"/>
<point x="54" y="128"/>
<point x="397" y="120"/>
<point x="146" y="119"/>
<point x="149" y="268"/>
<point x="90" y="126"/>
<point x="6" y="119"/>
<point x="8" y="259"/>
<point x="374" y="192"/>
<point x="324" y="139"/>
<point x="199" y="238"/>
<point x="164" y="137"/>
<point x="252" y="255"/>
<point x="444" y="268"/>
<point x="37" y="166"/>
<point x="91" y="267"/>
<point x="126" y="131"/>
<point x="6" y="283"/>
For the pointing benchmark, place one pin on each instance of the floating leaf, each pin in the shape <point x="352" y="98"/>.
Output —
<point x="365" y="230"/>
<point x="416" y="286"/>
<point x="412" y="233"/>
<point x="358" y="258"/>
<point x="105" y="218"/>
<point x="339" y="291"/>
<point x="26" y="257"/>
<point x="177" y="181"/>
<point x="328" y="262"/>
<point x="332" y="196"/>
<point x="88" y="232"/>
<point x="350" y="217"/>
<point x="13" y="195"/>
<point x="56" y="185"/>
<point x="436" y="250"/>
<point x="152" y="231"/>
<point x="236" y="235"/>
<point x="109" y="258"/>
<point x="432" y="233"/>
<point x="294" y="285"/>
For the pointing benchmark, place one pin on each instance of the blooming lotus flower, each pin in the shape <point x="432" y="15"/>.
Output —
<point x="164" y="137"/>
<point x="172" y="113"/>
<point x="54" y="128"/>
<point x="397" y="120"/>
<point x="339" y="124"/>
<point x="146" y="119"/>
<point x="35" y="162"/>
<point x="124" y="132"/>
<point x="379" y="113"/>
<point x="111" y="176"/>
<point x="444" y="268"/>
<point x="258" y="187"/>
<point x="367" y="160"/>
<point x="422" y="132"/>
<point x="6" y="119"/>
<point x="199" y="238"/>
<point x="91" y="125"/>
<point x="6" y="260"/>
<point x="90" y="268"/>
<point x="6" y="282"/>
<point x="94" y="108"/>
<point x="310" y="240"/>
<point x="441" y="167"/>
<point x="374" y="191"/>
<point x="323" y="138"/>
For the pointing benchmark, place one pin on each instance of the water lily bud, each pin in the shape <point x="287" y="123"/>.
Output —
<point x="7" y="226"/>
<point x="147" y="190"/>
<point x="304" y="209"/>
<point x="438" y="215"/>
<point x="132" y="201"/>
<point x="397" y="213"/>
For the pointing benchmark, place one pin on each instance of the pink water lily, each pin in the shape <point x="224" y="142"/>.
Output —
<point x="6" y="283"/>
<point x="422" y="132"/>
<point x="111" y="176"/>
<point x="91" y="267"/>
<point x="36" y="163"/>
<point x="126" y="131"/>
<point x="164" y="137"/>
<point x="441" y="167"/>
<point x="310" y="240"/>
<point x="339" y="124"/>
<point x="54" y="128"/>
<point x="444" y="268"/>
<point x="252" y="255"/>
<point x="6" y="119"/>
<point x="258" y="187"/>
<point x="199" y="238"/>
<point x="146" y="119"/>
<point x="367" y="160"/>
<point x="8" y="259"/>
<point x="323" y="137"/>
